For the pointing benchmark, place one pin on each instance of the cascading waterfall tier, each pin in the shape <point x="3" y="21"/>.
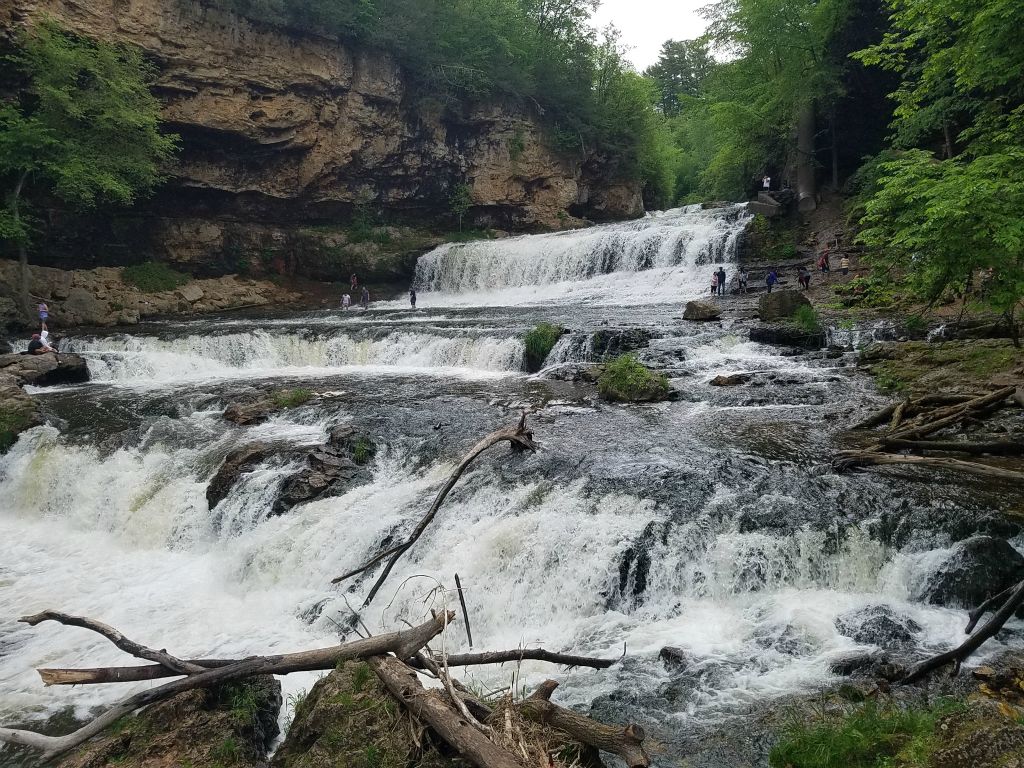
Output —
<point x="654" y="259"/>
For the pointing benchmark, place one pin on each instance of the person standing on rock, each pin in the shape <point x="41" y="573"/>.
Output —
<point x="721" y="281"/>
<point x="823" y="262"/>
<point x="353" y="282"/>
<point x="412" y="297"/>
<point x="744" y="279"/>
<point x="844" y="264"/>
<point x="346" y="301"/>
<point x="44" y="315"/>
<point x="714" y="283"/>
<point x="771" y="279"/>
<point x="804" y="277"/>
<point x="766" y="183"/>
<point x="365" y="300"/>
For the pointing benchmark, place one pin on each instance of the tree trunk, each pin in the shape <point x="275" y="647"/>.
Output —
<point x="806" y="189"/>
<point x="947" y="136"/>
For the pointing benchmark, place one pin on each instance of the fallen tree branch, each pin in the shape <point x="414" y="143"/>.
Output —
<point x="446" y="721"/>
<point x="519" y="436"/>
<point x="946" y="417"/>
<point x="136" y="674"/>
<point x="128" y="646"/>
<point x="403" y="644"/>
<point x="975" y="641"/>
<point x="627" y="743"/>
<point x="897" y="416"/>
<point x="994" y="601"/>
<point x="853" y="459"/>
<point x="874" y="420"/>
<point x="994" y="448"/>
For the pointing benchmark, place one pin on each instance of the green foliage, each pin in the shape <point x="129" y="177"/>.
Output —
<point x="681" y="69"/>
<point x="153" y="277"/>
<point x="291" y="398"/>
<point x="868" y="736"/>
<point x="627" y="380"/>
<point x="539" y="341"/>
<point x="362" y="452"/>
<point x="806" y="319"/>
<point x="227" y="751"/>
<point x="87" y="128"/>
<point x="460" y="201"/>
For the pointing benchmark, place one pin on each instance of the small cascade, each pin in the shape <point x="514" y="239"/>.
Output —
<point x="859" y="335"/>
<point x="654" y="259"/>
<point x="128" y="358"/>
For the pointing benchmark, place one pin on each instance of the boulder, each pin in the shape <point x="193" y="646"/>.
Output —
<point x="330" y="469"/>
<point x="249" y="413"/>
<point x="608" y="344"/>
<point x="45" y="370"/>
<point x="701" y="311"/>
<point x="780" y="304"/>
<point x="18" y="411"/>
<point x="235" y="724"/>
<point x="81" y="307"/>
<point x="730" y="380"/>
<point x="237" y="462"/>
<point x="975" y="569"/>
<point x="872" y="664"/>
<point x="675" y="659"/>
<point x="786" y="335"/>
<point x="877" y="625"/>
<point x="191" y="292"/>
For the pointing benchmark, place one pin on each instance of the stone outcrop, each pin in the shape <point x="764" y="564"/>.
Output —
<point x="701" y="310"/>
<point x="45" y="370"/>
<point x="100" y="297"/>
<point x="234" y="725"/>
<point x="235" y="464"/>
<point x="877" y="625"/>
<point x="975" y="569"/>
<point x="283" y="130"/>
<point x="18" y="411"/>
<point x="780" y="305"/>
<point x="787" y="335"/>
<point x="330" y="469"/>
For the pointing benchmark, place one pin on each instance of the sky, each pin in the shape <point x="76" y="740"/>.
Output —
<point x="646" y="24"/>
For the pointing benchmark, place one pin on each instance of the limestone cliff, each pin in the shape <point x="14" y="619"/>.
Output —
<point x="283" y="131"/>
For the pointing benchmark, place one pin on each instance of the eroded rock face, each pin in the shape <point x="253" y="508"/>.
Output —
<point x="18" y="411"/>
<point x="45" y="370"/>
<point x="235" y="725"/>
<point x="330" y="469"/>
<point x="975" y="569"/>
<point x="237" y="462"/>
<point x="282" y="129"/>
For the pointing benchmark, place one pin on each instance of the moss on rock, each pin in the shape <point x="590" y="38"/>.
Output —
<point x="626" y="380"/>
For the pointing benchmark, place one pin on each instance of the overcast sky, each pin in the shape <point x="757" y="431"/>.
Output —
<point x="646" y="24"/>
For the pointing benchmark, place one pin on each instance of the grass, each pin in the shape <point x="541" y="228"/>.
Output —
<point x="627" y="380"/>
<point x="806" y="319"/>
<point x="868" y="736"/>
<point x="539" y="341"/>
<point x="153" y="277"/>
<point x="363" y="450"/>
<point x="291" y="398"/>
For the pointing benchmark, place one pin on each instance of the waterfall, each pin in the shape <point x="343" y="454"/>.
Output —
<point x="654" y="259"/>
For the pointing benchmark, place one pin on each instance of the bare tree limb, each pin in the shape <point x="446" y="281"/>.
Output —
<point x="128" y="646"/>
<point x="520" y="438"/>
<point x="971" y="644"/>
<point x="993" y="448"/>
<point x="994" y="601"/>
<point x="855" y="459"/>
<point x="403" y="644"/>
<point x="136" y="674"/>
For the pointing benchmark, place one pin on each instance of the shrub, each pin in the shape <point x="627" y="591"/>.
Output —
<point x="291" y="398"/>
<point x="806" y="319"/>
<point x="626" y="380"/>
<point x="363" y="450"/>
<point x="539" y="342"/>
<point x="153" y="277"/>
<point x="868" y="736"/>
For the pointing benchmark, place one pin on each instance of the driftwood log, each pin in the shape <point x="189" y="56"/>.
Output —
<point x="403" y="644"/>
<point x="957" y="655"/>
<point x="851" y="459"/>
<point x="991" y="448"/>
<point x="101" y="675"/>
<point x="518" y="436"/>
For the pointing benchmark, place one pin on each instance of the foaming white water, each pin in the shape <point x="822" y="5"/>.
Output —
<point x="127" y="358"/>
<point x="652" y="260"/>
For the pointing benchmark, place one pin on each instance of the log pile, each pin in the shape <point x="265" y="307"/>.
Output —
<point x="909" y="427"/>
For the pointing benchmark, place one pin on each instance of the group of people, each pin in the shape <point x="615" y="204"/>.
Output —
<point x="364" y="296"/>
<point x="718" y="281"/>
<point x="40" y="342"/>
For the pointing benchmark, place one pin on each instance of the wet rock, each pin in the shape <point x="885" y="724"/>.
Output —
<point x="701" y="311"/>
<point x="18" y="412"/>
<point x="45" y="370"/>
<point x="249" y="413"/>
<point x="877" y="625"/>
<point x="872" y="664"/>
<point x="780" y="305"/>
<point x="235" y="725"/>
<point x="975" y="568"/>
<point x="574" y="372"/>
<point x="236" y="463"/>
<point x="675" y="659"/>
<point x="607" y="344"/>
<point x="783" y="638"/>
<point x="787" y="335"/>
<point x="349" y="719"/>
<point x="330" y="469"/>
<point x="730" y="380"/>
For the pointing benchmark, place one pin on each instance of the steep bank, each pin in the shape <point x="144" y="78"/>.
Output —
<point x="284" y="133"/>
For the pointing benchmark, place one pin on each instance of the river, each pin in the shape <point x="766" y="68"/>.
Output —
<point x="712" y="523"/>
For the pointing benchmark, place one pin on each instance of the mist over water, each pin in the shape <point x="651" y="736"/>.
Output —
<point x="713" y="524"/>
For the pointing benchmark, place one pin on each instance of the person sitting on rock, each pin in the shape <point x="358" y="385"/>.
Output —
<point x="38" y="346"/>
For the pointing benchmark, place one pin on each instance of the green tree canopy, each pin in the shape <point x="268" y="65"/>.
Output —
<point x="84" y="127"/>
<point x="681" y="69"/>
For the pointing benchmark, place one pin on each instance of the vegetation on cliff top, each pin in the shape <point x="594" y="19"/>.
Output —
<point x="153" y="277"/>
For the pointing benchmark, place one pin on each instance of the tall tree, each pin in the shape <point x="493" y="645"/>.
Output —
<point x="681" y="69"/>
<point x="84" y="128"/>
